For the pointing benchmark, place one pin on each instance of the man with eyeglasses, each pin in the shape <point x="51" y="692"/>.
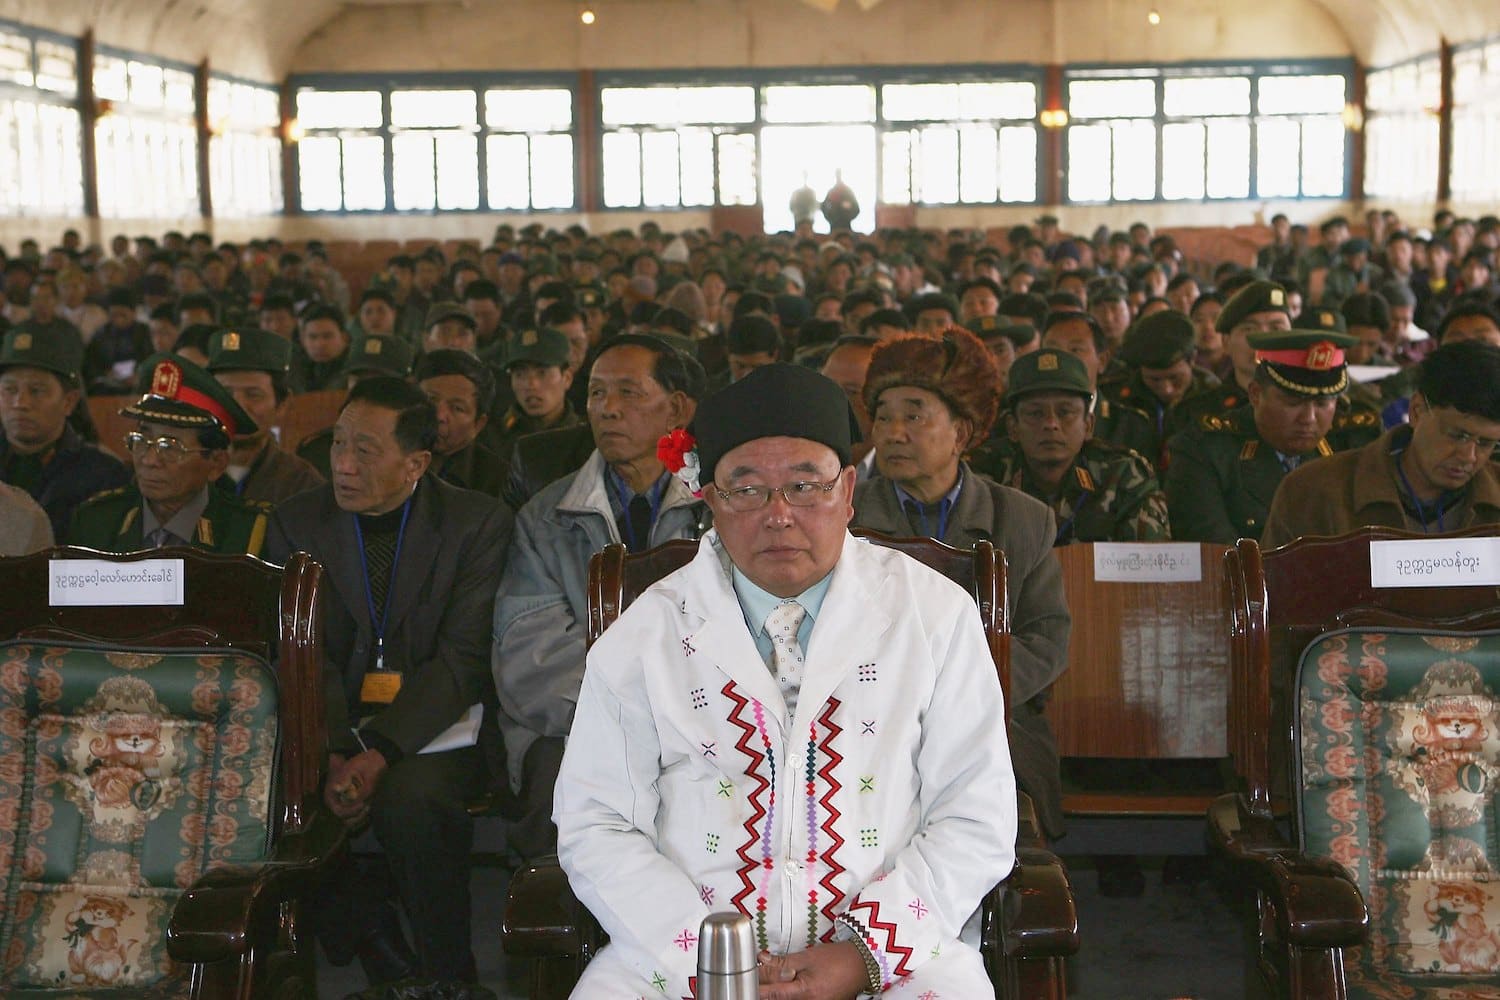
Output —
<point x="41" y="452"/>
<point x="797" y="724"/>
<point x="1098" y="492"/>
<point x="1432" y="475"/>
<point x="639" y="389"/>
<point x="180" y="448"/>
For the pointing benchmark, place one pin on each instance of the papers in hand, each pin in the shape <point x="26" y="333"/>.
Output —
<point x="463" y="733"/>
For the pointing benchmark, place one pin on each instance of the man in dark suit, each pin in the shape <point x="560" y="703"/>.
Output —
<point x="412" y="566"/>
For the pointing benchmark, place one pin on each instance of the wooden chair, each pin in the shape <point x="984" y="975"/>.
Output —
<point x="1147" y="680"/>
<point x="176" y="755"/>
<point x="1335" y="825"/>
<point x="1029" y="921"/>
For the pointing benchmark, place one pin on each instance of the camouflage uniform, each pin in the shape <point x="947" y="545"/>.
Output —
<point x="1109" y="495"/>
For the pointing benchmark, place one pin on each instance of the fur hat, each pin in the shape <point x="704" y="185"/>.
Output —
<point x="956" y="366"/>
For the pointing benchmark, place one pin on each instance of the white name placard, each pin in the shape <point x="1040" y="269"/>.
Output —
<point x="98" y="583"/>
<point x="1147" y="562"/>
<point x="1444" y="562"/>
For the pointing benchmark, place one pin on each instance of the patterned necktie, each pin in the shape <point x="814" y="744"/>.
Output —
<point x="786" y="652"/>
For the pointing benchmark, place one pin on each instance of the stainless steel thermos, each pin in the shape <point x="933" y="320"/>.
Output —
<point x="726" y="958"/>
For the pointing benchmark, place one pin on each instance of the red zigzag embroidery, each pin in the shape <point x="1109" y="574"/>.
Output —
<point x="890" y="947"/>
<point x="831" y="760"/>
<point x="758" y="813"/>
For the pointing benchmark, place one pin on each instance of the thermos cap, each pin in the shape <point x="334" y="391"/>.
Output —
<point x="726" y="944"/>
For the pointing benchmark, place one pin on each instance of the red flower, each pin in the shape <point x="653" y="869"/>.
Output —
<point x="672" y="449"/>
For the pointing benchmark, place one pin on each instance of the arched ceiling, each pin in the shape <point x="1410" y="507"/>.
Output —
<point x="267" y="39"/>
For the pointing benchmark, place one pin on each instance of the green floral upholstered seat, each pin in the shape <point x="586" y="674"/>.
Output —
<point x="1399" y="736"/>
<point x="123" y="778"/>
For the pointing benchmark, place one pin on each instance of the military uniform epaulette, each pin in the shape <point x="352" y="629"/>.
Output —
<point x="1356" y="418"/>
<point x="1219" y="422"/>
<point x="105" y="495"/>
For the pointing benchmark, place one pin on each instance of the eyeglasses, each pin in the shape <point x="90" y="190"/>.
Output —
<point x="168" y="449"/>
<point x="1462" y="439"/>
<point x="749" y="498"/>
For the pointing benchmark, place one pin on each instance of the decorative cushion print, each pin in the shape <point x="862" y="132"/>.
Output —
<point x="1400" y="753"/>
<point x="124" y="777"/>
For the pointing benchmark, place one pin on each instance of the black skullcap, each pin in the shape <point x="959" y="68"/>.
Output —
<point x="777" y="400"/>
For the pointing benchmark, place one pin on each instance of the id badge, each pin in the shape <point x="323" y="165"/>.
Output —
<point x="380" y="687"/>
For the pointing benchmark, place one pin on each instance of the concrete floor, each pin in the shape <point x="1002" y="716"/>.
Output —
<point x="1174" y="943"/>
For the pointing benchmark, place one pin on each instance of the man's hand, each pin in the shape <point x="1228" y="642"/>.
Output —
<point x="823" y="972"/>
<point x="351" y="785"/>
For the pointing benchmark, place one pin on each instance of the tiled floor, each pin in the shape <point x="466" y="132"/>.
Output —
<point x="1174" y="942"/>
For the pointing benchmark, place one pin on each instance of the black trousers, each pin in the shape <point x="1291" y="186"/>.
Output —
<point x="421" y="819"/>
<point x="532" y="833"/>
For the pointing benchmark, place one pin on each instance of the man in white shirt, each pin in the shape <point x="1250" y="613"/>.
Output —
<point x="798" y="726"/>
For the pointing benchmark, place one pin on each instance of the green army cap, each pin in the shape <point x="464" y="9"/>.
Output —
<point x="588" y="297"/>
<point x="1304" y="362"/>
<point x="1321" y="318"/>
<point x="1256" y="297"/>
<point x="180" y="394"/>
<point x="542" y="264"/>
<point x="28" y="349"/>
<point x="547" y="347"/>
<point x="1047" y="370"/>
<point x="441" y="312"/>
<point x="1158" y="341"/>
<point x="384" y="355"/>
<point x="984" y="327"/>
<point x="248" y="349"/>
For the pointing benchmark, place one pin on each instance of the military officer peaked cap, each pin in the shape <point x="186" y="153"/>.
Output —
<point x="1256" y="297"/>
<point x="248" y="349"/>
<point x="1304" y="362"/>
<point x="30" y="349"/>
<point x="180" y="394"/>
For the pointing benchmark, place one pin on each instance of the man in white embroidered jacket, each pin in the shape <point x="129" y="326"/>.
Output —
<point x="856" y="801"/>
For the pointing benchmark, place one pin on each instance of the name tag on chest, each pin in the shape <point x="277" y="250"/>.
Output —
<point x="380" y="687"/>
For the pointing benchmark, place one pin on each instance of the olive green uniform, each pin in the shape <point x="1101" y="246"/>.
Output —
<point x="1356" y="421"/>
<point x="1147" y="428"/>
<point x="1109" y="495"/>
<point x="111" y="522"/>
<point x="1223" y="476"/>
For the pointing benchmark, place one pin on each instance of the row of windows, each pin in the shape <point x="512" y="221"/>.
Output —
<point x="1476" y="123"/>
<point x="145" y="136"/>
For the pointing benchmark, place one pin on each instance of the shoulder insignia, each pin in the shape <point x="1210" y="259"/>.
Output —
<point x="257" y="534"/>
<point x="1248" y="451"/>
<point x="106" y="494"/>
<point x="1104" y="408"/>
<point x="1085" y="480"/>
<point x="205" y="531"/>
<point x="131" y="514"/>
<point x="1213" y="422"/>
<point x="1324" y="448"/>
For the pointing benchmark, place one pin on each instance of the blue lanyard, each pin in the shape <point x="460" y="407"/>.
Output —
<point x="364" y="565"/>
<point x="1421" y="507"/>
<point x="653" y="497"/>
<point x="1066" y="526"/>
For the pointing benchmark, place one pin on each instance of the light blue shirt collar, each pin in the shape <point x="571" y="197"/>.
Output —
<point x="756" y="604"/>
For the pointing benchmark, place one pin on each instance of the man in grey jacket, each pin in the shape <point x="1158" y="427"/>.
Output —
<point x="639" y="389"/>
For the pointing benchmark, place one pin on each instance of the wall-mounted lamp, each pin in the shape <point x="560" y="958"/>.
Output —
<point x="294" y="132"/>
<point x="1054" y="117"/>
<point x="587" y="17"/>
<point x="1354" y="117"/>
<point x="1153" y="17"/>
<point x="103" y="108"/>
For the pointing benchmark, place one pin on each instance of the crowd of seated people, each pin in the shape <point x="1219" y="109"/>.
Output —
<point x="502" y="412"/>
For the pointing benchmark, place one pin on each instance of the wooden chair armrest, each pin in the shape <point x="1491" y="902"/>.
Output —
<point x="215" y="919"/>
<point x="1031" y="914"/>
<point x="1315" y="901"/>
<point x="543" y="919"/>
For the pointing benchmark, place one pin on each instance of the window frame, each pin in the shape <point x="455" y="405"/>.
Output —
<point x="873" y="76"/>
<point x="163" y="114"/>
<point x="1373" y="115"/>
<point x="476" y="81"/>
<point x="270" y="131"/>
<point x="35" y="94"/>
<point x="1489" y="110"/>
<point x="1256" y="71"/>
